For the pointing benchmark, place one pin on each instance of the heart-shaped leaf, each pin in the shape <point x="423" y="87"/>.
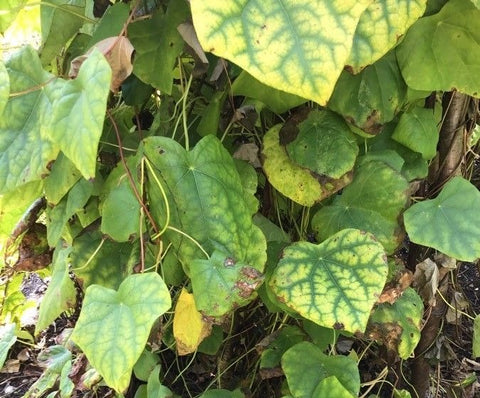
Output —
<point x="449" y="223"/>
<point x="380" y="27"/>
<point x="207" y="201"/>
<point x="372" y="202"/>
<point x="335" y="283"/>
<point x="397" y="325"/>
<point x="221" y="284"/>
<point x="324" y="144"/>
<point x="110" y="319"/>
<point x="82" y="103"/>
<point x="306" y="367"/>
<point x="441" y="52"/>
<point x="298" y="47"/>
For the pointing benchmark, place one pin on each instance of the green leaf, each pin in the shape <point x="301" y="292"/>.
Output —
<point x="110" y="318"/>
<point x="4" y="87"/>
<point x="120" y="208"/>
<point x="417" y="130"/>
<point x="7" y="339"/>
<point x="111" y="24"/>
<point x="63" y="176"/>
<point x="60" y="20"/>
<point x="324" y="144"/>
<point x="299" y="47"/>
<point x="335" y="283"/>
<point x="24" y="151"/>
<point x="476" y="337"/>
<point x="145" y="364"/>
<point x="441" y="52"/>
<point x="9" y="10"/>
<point x="100" y="261"/>
<point x="306" y="366"/>
<point x="291" y="179"/>
<point x="82" y="103"/>
<point x="221" y="284"/>
<point x="155" y="389"/>
<point x="158" y="44"/>
<point x="372" y="202"/>
<point x="207" y="201"/>
<point x="211" y="114"/>
<point x="277" y="100"/>
<point x="380" y="27"/>
<point x="280" y="342"/>
<point x="449" y="223"/>
<point x="60" y="294"/>
<point x="58" y="216"/>
<point x="371" y="98"/>
<point x="398" y="325"/>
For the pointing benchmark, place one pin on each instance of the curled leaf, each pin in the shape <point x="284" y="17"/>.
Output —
<point x="118" y="51"/>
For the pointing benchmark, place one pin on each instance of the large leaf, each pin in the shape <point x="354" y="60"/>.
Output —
<point x="298" y="47"/>
<point x="449" y="223"/>
<point x="24" y="151"/>
<point x="306" y="367"/>
<point x="60" y="294"/>
<point x="158" y="44"/>
<point x="442" y="51"/>
<point x="291" y="179"/>
<point x="4" y="87"/>
<point x="206" y="200"/>
<point x="371" y="98"/>
<point x="380" y="27"/>
<point x="335" y="283"/>
<point x="397" y="325"/>
<point x="79" y="112"/>
<point x="324" y="144"/>
<point x="110" y="319"/>
<point x="60" y="19"/>
<point x="372" y="202"/>
<point x="417" y="130"/>
<point x="221" y="284"/>
<point x="111" y="24"/>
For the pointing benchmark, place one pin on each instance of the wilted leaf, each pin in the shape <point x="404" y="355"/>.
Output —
<point x="110" y="318"/>
<point x="189" y="327"/>
<point x="118" y="52"/>
<point x="249" y="153"/>
<point x="456" y="308"/>
<point x="335" y="283"/>
<point x="187" y="31"/>
<point x="426" y="280"/>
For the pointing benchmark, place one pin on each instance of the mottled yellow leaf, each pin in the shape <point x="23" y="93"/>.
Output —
<point x="189" y="328"/>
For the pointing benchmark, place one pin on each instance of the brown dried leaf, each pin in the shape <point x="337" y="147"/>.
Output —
<point x="395" y="288"/>
<point x="118" y="52"/>
<point x="187" y="31"/>
<point x="249" y="153"/>
<point x="426" y="280"/>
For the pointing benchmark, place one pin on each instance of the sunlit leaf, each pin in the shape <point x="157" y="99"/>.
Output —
<point x="335" y="283"/>
<point x="110" y="318"/>
<point x="397" y="325"/>
<point x="449" y="223"/>
<point x="442" y="51"/>
<point x="380" y="27"/>
<point x="306" y="367"/>
<point x="8" y="12"/>
<point x="476" y="337"/>
<point x="189" y="327"/>
<point x="4" y="87"/>
<point x="298" y="47"/>
<point x="62" y="177"/>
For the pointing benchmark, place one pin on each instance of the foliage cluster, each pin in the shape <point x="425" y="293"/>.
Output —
<point x="184" y="171"/>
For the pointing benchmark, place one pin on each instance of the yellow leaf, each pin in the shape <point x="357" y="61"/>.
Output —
<point x="189" y="328"/>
